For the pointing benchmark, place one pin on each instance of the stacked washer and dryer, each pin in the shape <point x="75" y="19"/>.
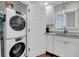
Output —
<point x="14" y="34"/>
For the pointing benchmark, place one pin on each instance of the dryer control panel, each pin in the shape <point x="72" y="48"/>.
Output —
<point x="18" y="39"/>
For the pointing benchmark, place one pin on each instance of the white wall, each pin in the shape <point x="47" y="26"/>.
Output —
<point x="69" y="5"/>
<point x="1" y="6"/>
<point x="49" y="14"/>
<point x="18" y="6"/>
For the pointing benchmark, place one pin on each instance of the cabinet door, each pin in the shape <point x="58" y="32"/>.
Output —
<point x="72" y="49"/>
<point x="36" y="29"/>
<point x="49" y="44"/>
<point x="59" y="46"/>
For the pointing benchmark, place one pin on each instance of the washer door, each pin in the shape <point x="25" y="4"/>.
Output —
<point x="17" y="50"/>
<point x="17" y="23"/>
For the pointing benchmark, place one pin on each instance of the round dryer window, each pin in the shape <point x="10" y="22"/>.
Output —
<point x="17" y="23"/>
<point x="17" y="50"/>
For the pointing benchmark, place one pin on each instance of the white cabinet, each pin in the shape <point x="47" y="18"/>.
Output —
<point x="66" y="47"/>
<point x="36" y="25"/>
<point x="72" y="47"/>
<point x="50" y="44"/>
<point x="59" y="47"/>
<point x="72" y="50"/>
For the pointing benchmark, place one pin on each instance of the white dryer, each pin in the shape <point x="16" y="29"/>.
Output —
<point x="15" y="47"/>
<point x="15" y="24"/>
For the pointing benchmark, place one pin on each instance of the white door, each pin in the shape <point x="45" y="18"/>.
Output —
<point x="36" y="30"/>
<point x="72" y="49"/>
<point x="59" y="46"/>
<point x="50" y="44"/>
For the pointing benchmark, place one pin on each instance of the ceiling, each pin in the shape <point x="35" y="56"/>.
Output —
<point x="48" y="2"/>
<point x="55" y="2"/>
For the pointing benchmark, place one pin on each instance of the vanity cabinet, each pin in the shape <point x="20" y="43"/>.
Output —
<point x="50" y="44"/>
<point x="72" y="47"/>
<point x="59" y="46"/>
<point x="72" y="50"/>
<point x="66" y="47"/>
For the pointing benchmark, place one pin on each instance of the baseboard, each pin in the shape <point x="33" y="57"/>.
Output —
<point x="36" y="53"/>
<point x="52" y="55"/>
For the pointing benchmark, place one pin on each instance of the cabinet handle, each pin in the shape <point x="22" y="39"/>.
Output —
<point x="65" y="42"/>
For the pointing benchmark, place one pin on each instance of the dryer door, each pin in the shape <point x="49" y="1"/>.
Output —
<point x="17" y="23"/>
<point x="17" y="50"/>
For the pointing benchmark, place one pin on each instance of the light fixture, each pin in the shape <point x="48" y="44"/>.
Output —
<point x="45" y="3"/>
<point x="63" y="7"/>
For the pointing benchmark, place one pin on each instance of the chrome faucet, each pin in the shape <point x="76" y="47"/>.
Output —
<point x="65" y="29"/>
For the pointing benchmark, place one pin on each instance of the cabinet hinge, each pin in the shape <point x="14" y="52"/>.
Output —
<point x="28" y="10"/>
<point x="29" y="30"/>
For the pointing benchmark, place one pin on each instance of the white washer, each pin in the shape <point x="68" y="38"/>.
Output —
<point x="14" y="34"/>
<point x="15" y="47"/>
<point x="15" y="24"/>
